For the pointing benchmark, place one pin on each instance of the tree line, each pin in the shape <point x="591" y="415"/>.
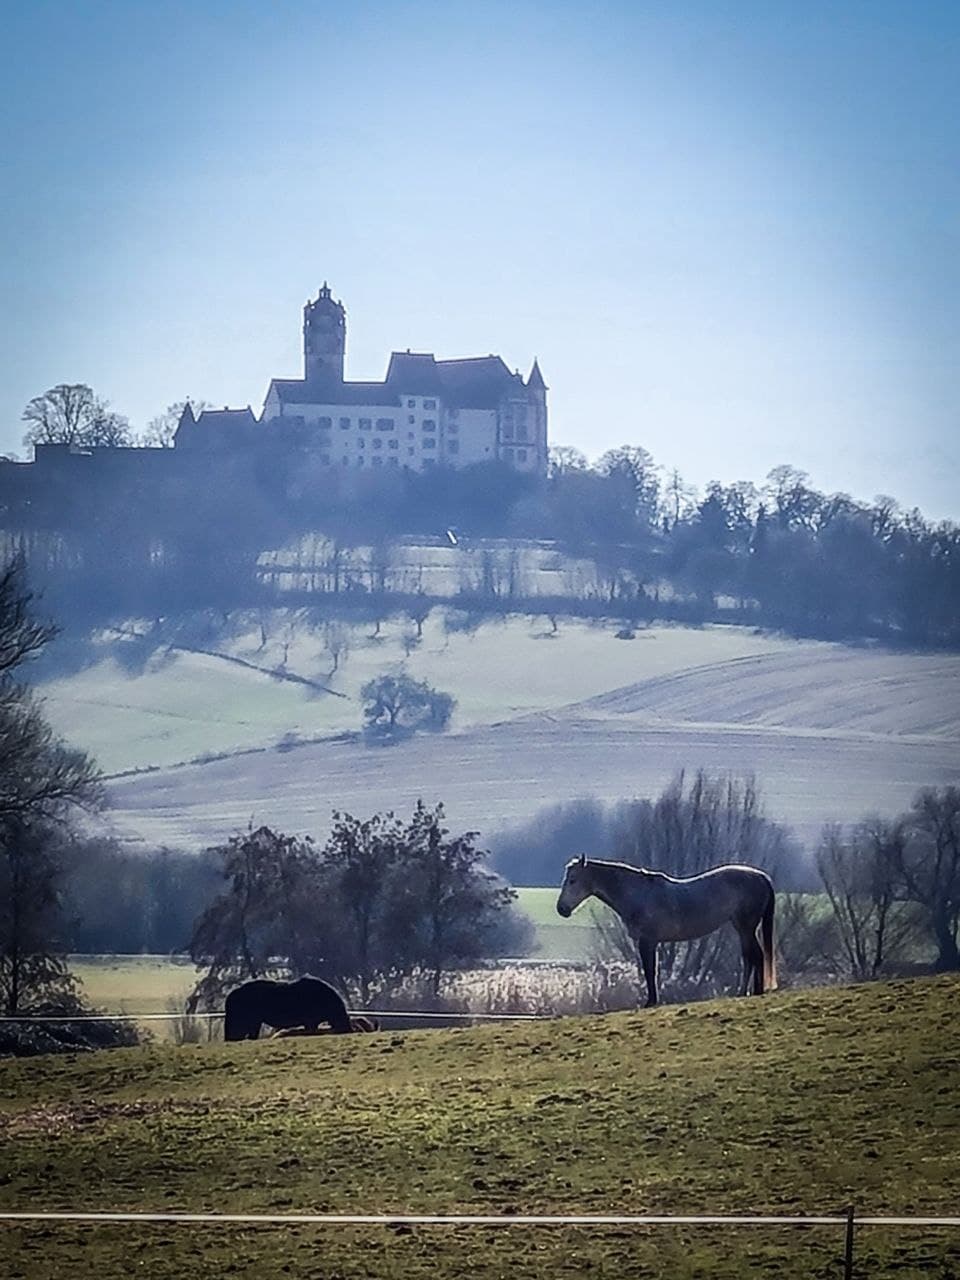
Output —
<point x="780" y="554"/>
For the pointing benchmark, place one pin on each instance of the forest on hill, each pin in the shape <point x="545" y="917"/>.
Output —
<point x="110" y="536"/>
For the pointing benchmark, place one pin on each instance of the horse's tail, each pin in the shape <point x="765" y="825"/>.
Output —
<point x="338" y="1016"/>
<point x="769" y="955"/>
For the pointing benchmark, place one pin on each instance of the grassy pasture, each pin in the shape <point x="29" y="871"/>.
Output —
<point x="801" y="1102"/>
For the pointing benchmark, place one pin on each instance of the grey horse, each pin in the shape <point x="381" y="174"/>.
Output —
<point x="659" y="908"/>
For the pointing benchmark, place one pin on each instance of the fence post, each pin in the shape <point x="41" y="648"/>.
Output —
<point x="848" y="1249"/>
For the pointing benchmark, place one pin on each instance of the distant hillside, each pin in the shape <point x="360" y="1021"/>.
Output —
<point x="831" y="732"/>
<point x="162" y="696"/>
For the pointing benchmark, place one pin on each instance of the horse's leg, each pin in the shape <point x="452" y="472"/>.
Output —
<point x="647" y="951"/>
<point x="752" y="959"/>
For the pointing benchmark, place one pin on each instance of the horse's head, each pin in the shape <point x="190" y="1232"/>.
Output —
<point x="576" y="886"/>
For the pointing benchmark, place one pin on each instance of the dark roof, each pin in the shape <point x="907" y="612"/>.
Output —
<point x="480" y="382"/>
<point x="215" y="428"/>
<point x="226" y="418"/>
<point x="414" y="373"/>
<point x="299" y="391"/>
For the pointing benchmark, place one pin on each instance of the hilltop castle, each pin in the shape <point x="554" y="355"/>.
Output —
<point x="425" y="413"/>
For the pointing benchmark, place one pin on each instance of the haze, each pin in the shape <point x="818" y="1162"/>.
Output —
<point x="728" y="231"/>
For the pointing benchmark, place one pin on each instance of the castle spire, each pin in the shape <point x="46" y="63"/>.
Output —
<point x="535" y="381"/>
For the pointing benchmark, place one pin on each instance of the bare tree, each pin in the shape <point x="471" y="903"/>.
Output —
<point x="264" y="921"/>
<point x="860" y="875"/>
<point x="336" y="641"/>
<point x="637" y="467"/>
<point x="397" y="704"/>
<point x="929" y="865"/>
<point x="160" y="431"/>
<point x="42" y="782"/>
<point x="70" y="413"/>
<point x="563" y="459"/>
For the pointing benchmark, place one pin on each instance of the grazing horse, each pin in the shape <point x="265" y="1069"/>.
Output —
<point x="304" y="1003"/>
<point x="658" y="908"/>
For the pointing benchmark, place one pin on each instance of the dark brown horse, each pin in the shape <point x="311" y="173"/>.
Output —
<point x="659" y="908"/>
<point x="304" y="1003"/>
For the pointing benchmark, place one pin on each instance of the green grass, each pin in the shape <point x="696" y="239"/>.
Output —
<point x="799" y="1102"/>
<point x="134" y="984"/>
<point x="557" y="939"/>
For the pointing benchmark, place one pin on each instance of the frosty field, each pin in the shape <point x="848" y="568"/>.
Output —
<point x="831" y="732"/>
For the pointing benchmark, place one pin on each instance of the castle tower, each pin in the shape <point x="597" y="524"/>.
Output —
<point x="324" y="338"/>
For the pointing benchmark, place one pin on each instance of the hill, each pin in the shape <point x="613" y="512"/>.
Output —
<point x="831" y="732"/>
<point x="800" y="1102"/>
<point x="198" y="687"/>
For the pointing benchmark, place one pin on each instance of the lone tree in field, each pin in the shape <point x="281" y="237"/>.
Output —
<point x="396" y="705"/>
<point x="41" y="782"/>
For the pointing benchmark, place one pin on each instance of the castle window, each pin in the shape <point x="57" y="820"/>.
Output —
<point x="344" y="424"/>
<point x="429" y="444"/>
<point x="429" y="424"/>
<point x="521" y="455"/>
<point x="452" y="428"/>
<point x="410" y="452"/>
<point x="453" y="446"/>
<point x="394" y="444"/>
<point x="378" y="444"/>
<point x="508" y="431"/>
<point x="324" y="423"/>
<point x="429" y="404"/>
<point x="454" y="413"/>
<point x="411" y="418"/>
<point x="522" y="431"/>
<point x="377" y="462"/>
<point x="521" y="412"/>
<point x="394" y="462"/>
<point x="508" y="455"/>
<point x="361" y="444"/>
<point x="411" y="404"/>
<point x="410" y="435"/>
<point x="359" y="462"/>
<point x="365" y="424"/>
<point x="384" y="424"/>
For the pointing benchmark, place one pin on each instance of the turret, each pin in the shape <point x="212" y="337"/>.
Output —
<point x="535" y="383"/>
<point x="324" y="338"/>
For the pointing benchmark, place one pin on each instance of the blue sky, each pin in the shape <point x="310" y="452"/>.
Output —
<point x="728" y="230"/>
